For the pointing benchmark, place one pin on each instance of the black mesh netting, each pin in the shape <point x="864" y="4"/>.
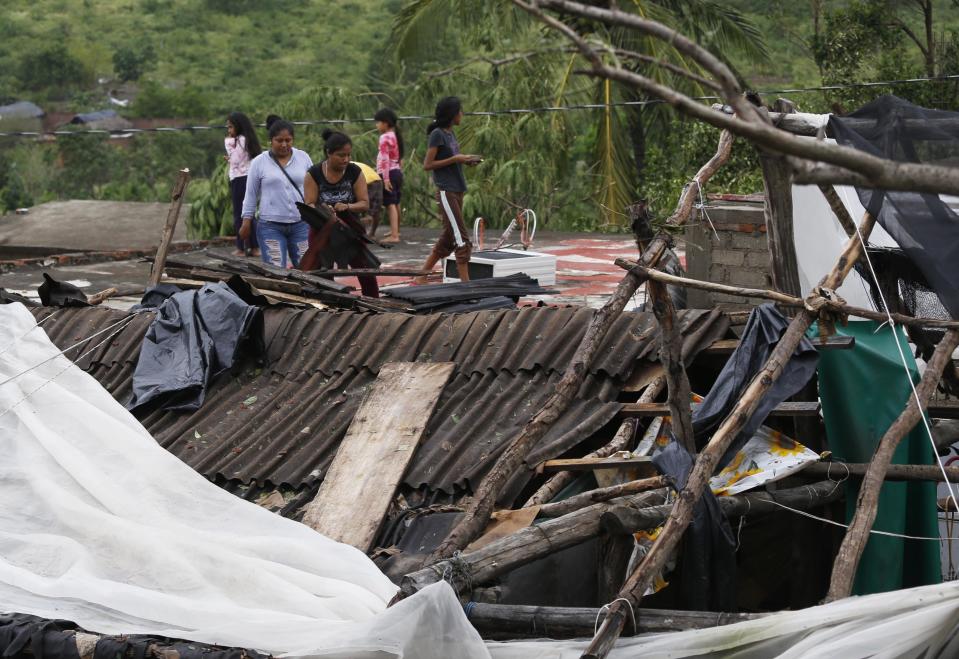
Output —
<point x="904" y="287"/>
<point x="925" y="227"/>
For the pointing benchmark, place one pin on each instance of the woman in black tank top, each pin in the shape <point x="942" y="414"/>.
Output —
<point x="340" y="185"/>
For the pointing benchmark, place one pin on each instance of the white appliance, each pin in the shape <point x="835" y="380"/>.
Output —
<point x="500" y="263"/>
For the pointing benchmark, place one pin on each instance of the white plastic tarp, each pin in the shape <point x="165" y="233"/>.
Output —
<point x="102" y="526"/>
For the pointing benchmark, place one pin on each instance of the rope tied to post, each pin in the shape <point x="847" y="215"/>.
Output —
<point x="825" y="303"/>
<point x="458" y="571"/>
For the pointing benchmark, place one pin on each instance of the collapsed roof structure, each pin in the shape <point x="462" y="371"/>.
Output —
<point x="554" y="467"/>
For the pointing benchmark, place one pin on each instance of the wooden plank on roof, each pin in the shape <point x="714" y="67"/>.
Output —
<point x="645" y="372"/>
<point x="642" y="463"/>
<point x="790" y="408"/>
<point x="379" y="444"/>
<point x="834" y="342"/>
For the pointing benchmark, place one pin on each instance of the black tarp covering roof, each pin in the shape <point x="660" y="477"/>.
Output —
<point x="922" y="224"/>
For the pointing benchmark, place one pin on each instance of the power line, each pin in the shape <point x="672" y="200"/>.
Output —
<point x="129" y="132"/>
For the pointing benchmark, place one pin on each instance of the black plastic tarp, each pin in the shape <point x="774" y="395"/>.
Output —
<point x="55" y="293"/>
<point x="707" y="561"/>
<point x="196" y="335"/>
<point x="762" y="332"/>
<point x="921" y="223"/>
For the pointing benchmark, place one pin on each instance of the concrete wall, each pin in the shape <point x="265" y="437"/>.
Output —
<point x="739" y="257"/>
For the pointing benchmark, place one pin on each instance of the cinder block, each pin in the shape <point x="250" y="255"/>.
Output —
<point x="729" y="257"/>
<point x="757" y="259"/>
<point x="749" y="241"/>
<point x="749" y="277"/>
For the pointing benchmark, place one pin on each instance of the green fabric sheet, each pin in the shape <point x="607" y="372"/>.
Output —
<point x="863" y="390"/>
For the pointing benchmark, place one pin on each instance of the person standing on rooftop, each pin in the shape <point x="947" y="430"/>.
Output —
<point x="444" y="159"/>
<point x="389" y="162"/>
<point x="272" y="185"/>
<point x="242" y="146"/>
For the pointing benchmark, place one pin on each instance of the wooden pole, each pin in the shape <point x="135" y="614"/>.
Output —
<point x="778" y="210"/>
<point x="511" y="621"/>
<point x="781" y="298"/>
<point x="708" y="459"/>
<point x="105" y="294"/>
<point x="678" y="392"/>
<point x="480" y="508"/>
<point x="838" y="208"/>
<point x="578" y="501"/>
<point x="179" y="189"/>
<point x="839" y="471"/>
<point x="854" y="542"/>
<point x="554" y="485"/>
<point x="624" y="515"/>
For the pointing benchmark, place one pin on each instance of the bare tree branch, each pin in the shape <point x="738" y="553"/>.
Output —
<point x="873" y="171"/>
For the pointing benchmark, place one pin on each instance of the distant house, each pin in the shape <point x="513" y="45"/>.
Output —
<point x="101" y="120"/>
<point x="21" y="116"/>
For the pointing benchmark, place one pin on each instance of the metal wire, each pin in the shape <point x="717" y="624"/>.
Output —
<point x="130" y="132"/>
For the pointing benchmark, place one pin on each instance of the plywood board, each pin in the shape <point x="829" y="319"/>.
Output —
<point x="378" y="446"/>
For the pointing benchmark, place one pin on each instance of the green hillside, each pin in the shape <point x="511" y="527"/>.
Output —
<point x="208" y="55"/>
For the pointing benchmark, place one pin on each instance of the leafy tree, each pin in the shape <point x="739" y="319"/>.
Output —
<point x="51" y="66"/>
<point x="606" y="149"/>
<point x="131" y="63"/>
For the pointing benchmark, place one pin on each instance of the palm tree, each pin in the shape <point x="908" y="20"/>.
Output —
<point x="491" y="37"/>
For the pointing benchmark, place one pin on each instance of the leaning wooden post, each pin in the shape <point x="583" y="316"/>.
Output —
<point x="838" y="208"/>
<point x="708" y="459"/>
<point x="678" y="393"/>
<point x="179" y="190"/>
<point x="854" y="543"/>
<point x="477" y="514"/>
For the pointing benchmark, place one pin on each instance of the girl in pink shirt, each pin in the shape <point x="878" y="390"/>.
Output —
<point x="242" y="146"/>
<point x="388" y="165"/>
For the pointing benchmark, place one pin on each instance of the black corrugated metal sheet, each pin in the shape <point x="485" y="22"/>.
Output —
<point x="281" y="424"/>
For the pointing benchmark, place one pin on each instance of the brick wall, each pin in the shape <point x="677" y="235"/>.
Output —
<point x="739" y="257"/>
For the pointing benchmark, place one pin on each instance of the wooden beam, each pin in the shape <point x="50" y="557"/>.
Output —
<point x="359" y="487"/>
<point x="173" y="214"/>
<point x="781" y="298"/>
<point x="620" y="441"/>
<point x="513" y="458"/>
<point x="706" y="462"/>
<point x="778" y="210"/>
<point x="473" y="568"/>
<point x="678" y="393"/>
<point x="510" y="621"/>
<point x="584" y="499"/>
<point x="642" y="462"/>
<point x="832" y="342"/>
<point x="788" y="408"/>
<point x="838" y="471"/>
<point x="262" y="283"/>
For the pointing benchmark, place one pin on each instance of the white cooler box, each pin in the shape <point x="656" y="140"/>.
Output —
<point x="487" y="263"/>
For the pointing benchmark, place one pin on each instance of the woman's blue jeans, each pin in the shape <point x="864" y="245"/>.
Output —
<point x="280" y="240"/>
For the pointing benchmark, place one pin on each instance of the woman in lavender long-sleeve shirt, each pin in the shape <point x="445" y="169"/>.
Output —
<point x="275" y="182"/>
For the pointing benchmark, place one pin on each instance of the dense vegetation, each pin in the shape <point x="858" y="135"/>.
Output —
<point x="196" y="60"/>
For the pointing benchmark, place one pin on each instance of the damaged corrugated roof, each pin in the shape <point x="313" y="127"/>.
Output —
<point x="281" y="424"/>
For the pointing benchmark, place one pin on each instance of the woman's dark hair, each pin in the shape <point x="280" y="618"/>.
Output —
<point x="277" y="126"/>
<point x="388" y="117"/>
<point x="334" y="140"/>
<point x="446" y="111"/>
<point x="271" y="119"/>
<point x="244" y="127"/>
